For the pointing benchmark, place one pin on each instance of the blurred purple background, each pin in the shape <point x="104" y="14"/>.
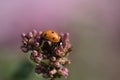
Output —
<point x="94" y="27"/>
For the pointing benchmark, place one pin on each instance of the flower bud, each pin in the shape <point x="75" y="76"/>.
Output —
<point x="23" y="35"/>
<point x="30" y="34"/>
<point x="53" y="58"/>
<point x="24" y="49"/>
<point x="63" y="72"/>
<point x="34" y="33"/>
<point x="66" y="37"/>
<point x="67" y="62"/>
<point x="37" y="59"/>
<point x="60" y="53"/>
<point x="31" y="41"/>
<point x="57" y="64"/>
<point x="34" y="53"/>
<point x="36" y="44"/>
<point x="52" y="72"/>
<point x="40" y="32"/>
<point x="65" y="69"/>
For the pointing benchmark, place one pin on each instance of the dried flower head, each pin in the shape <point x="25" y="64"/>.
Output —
<point x="49" y="50"/>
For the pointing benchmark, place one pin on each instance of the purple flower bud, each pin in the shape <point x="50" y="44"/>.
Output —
<point x="24" y="49"/>
<point x="31" y="41"/>
<point x="34" y="53"/>
<point x="37" y="59"/>
<point x="23" y="35"/>
<point x="57" y="51"/>
<point x="25" y="39"/>
<point x="30" y="34"/>
<point x="52" y="72"/>
<point x="57" y="64"/>
<point x="62" y="35"/>
<point x="36" y="44"/>
<point x="63" y="72"/>
<point x="61" y="47"/>
<point x="60" y="53"/>
<point x="64" y="69"/>
<point x="67" y="62"/>
<point x="34" y="33"/>
<point x="69" y="46"/>
<point x="66" y="37"/>
<point x="40" y="32"/>
<point x="53" y="58"/>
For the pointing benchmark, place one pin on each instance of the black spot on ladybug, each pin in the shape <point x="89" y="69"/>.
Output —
<point x="53" y="38"/>
<point x="52" y="32"/>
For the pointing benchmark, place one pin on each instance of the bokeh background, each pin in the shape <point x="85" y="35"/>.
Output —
<point x="94" y="27"/>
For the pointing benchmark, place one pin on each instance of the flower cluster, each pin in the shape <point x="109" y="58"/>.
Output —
<point x="50" y="58"/>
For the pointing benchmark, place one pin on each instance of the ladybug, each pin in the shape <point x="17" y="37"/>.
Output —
<point x="51" y="35"/>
